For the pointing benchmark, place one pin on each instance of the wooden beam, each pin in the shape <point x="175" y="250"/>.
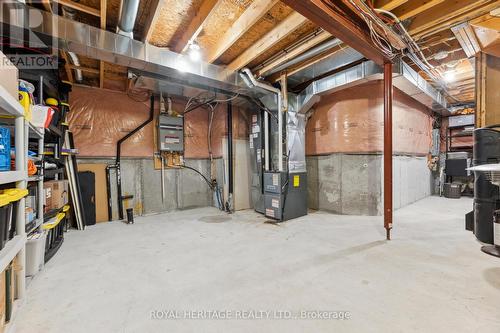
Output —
<point x="69" y="72"/>
<point x="389" y="4"/>
<point x="75" y="5"/>
<point x="331" y="17"/>
<point x="270" y="39"/>
<point x="290" y="54"/>
<point x="104" y="4"/>
<point x="247" y="20"/>
<point x="447" y="14"/>
<point x="152" y="19"/>
<point x="413" y="8"/>
<point x="84" y="69"/>
<point x="196" y="25"/>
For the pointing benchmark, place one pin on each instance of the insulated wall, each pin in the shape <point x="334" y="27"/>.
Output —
<point x="344" y="144"/>
<point x="99" y="118"/>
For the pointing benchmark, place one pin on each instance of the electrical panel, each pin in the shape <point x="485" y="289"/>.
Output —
<point x="170" y="133"/>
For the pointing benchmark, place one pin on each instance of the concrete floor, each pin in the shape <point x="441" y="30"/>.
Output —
<point x="431" y="277"/>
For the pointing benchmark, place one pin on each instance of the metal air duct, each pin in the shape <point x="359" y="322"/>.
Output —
<point x="128" y="15"/>
<point x="404" y="78"/>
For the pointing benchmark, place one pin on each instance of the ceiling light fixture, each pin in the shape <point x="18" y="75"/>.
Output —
<point x="449" y="76"/>
<point x="441" y="55"/>
<point x="194" y="52"/>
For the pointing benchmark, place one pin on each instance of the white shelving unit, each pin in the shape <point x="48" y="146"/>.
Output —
<point x="10" y="107"/>
<point x="35" y="133"/>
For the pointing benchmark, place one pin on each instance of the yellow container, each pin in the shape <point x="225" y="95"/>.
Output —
<point x="25" y="100"/>
<point x="15" y="194"/>
<point x="4" y="200"/>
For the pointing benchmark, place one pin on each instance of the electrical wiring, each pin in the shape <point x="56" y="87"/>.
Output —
<point x="210" y="185"/>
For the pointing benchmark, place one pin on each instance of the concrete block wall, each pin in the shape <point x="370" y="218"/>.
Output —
<point x="184" y="188"/>
<point x="352" y="184"/>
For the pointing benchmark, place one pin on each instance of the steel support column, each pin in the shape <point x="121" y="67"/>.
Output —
<point x="388" y="94"/>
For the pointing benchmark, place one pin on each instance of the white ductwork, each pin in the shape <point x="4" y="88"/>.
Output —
<point x="128" y="15"/>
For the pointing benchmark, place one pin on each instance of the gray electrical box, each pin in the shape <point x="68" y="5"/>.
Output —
<point x="170" y="133"/>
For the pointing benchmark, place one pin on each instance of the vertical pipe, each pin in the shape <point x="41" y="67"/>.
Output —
<point x="230" y="153"/>
<point x="266" y="142"/>
<point x="280" y="134"/>
<point x="388" y="92"/>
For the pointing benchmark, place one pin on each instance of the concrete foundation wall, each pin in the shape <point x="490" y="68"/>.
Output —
<point x="183" y="187"/>
<point x="353" y="184"/>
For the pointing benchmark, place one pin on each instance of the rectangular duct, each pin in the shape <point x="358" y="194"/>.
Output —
<point x="404" y="78"/>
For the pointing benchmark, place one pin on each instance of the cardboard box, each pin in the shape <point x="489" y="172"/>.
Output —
<point x="56" y="194"/>
<point x="9" y="75"/>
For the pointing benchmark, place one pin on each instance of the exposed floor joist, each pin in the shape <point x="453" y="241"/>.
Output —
<point x="389" y="4"/>
<point x="104" y="4"/>
<point x="447" y="14"/>
<point x="79" y="7"/>
<point x="413" y="8"/>
<point x="328" y="15"/>
<point x="287" y="26"/>
<point x="196" y="25"/>
<point x="252" y="15"/>
<point x="154" y="14"/>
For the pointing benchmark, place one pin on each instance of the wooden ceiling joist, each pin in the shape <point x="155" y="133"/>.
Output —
<point x="332" y="18"/>
<point x="80" y="7"/>
<point x="270" y="39"/>
<point x="449" y="13"/>
<point x="154" y="14"/>
<point x="252" y="15"/>
<point x="84" y="69"/>
<point x="196" y="25"/>
<point x="413" y="8"/>
<point x="104" y="4"/>
<point x="389" y="4"/>
<point x="69" y="72"/>
<point x="312" y="42"/>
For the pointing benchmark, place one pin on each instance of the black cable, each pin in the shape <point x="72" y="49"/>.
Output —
<point x="198" y="172"/>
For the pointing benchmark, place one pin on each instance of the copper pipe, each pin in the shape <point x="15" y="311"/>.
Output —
<point x="388" y="94"/>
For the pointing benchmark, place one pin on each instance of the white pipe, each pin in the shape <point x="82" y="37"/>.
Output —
<point x="266" y="120"/>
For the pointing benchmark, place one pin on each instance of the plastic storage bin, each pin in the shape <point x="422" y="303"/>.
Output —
<point x="4" y="149"/>
<point x="55" y="235"/>
<point x="35" y="253"/>
<point x="5" y="218"/>
<point x="15" y="195"/>
<point x="452" y="191"/>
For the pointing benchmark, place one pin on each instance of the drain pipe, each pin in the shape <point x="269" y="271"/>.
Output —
<point x="230" y="175"/>
<point x="272" y="89"/>
<point x="118" y="158"/>
<point x="128" y="15"/>
<point x="70" y="13"/>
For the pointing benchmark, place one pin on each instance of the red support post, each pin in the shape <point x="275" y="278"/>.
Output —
<point x="388" y="94"/>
